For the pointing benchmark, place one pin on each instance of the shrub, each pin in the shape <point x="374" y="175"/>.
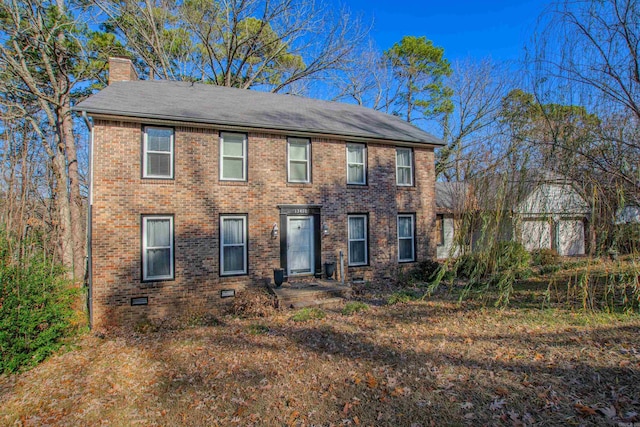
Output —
<point x="426" y="270"/>
<point x="307" y="313"/>
<point x="471" y="265"/>
<point x="36" y="308"/>
<point x="545" y="257"/>
<point x="353" y="307"/>
<point x="253" y="303"/>
<point x="402" y="297"/>
<point x="511" y="256"/>
<point x="550" y="268"/>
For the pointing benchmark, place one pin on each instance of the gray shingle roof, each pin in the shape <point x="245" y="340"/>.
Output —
<point x="451" y="196"/>
<point x="202" y="103"/>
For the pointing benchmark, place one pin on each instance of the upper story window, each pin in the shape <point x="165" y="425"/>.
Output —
<point x="233" y="156"/>
<point x="299" y="160"/>
<point x="358" y="245"/>
<point x="157" y="247"/>
<point x="404" y="167"/>
<point x="157" y="153"/>
<point x="233" y="245"/>
<point x="356" y="164"/>
<point x="406" y="238"/>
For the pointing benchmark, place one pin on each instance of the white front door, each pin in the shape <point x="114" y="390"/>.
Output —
<point x="300" y="245"/>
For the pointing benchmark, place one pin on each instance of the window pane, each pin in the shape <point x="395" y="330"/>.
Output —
<point x="356" y="252"/>
<point x="158" y="262"/>
<point x="355" y="154"/>
<point x="234" y="258"/>
<point x="158" y="232"/>
<point x="355" y="173"/>
<point x="404" y="176"/>
<point x="297" y="151"/>
<point x="159" y="139"/>
<point x="404" y="157"/>
<point x="404" y="227"/>
<point x="233" y="168"/>
<point x="233" y="145"/>
<point x="406" y="249"/>
<point x="232" y="231"/>
<point x="356" y="228"/>
<point x="158" y="164"/>
<point x="298" y="171"/>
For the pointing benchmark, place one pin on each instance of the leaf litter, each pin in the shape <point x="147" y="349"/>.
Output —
<point x="420" y="363"/>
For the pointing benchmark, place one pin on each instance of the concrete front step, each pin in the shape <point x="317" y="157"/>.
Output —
<point x="322" y="293"/>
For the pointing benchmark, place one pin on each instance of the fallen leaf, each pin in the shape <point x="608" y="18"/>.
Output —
<point x="466" y="405"/>
<point x="497" y="404"/>
<point x="584" y="410"/>
<point x="501" y="391"/>
<point x="346" y="408"/>
<point x="609" y="412"/>
<point x="371" y="381"/>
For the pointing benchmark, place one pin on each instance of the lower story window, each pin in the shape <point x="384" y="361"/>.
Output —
<point x="406" y="238"/>
<point x="157" y="247"/>
<point x="233" y="245"/>
<point x="357" y="239"/>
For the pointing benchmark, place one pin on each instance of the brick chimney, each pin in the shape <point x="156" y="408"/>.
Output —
<point x="121" y="70"/>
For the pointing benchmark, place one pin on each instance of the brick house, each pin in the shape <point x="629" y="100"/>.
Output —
<point x="198" y="191"/>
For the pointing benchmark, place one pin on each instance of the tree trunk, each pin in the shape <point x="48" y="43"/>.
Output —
<point x="75" y="199"/>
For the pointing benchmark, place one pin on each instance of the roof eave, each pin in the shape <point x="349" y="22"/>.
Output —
<point x="159" y="119"/>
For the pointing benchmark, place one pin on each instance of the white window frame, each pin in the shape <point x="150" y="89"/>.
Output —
<point x="412" y="238"/>
<point x="145" y="248"/>
<point x="363" y="147"/>
<point x="243" y="157"/>
<point x="243" y="244"/>
<point x="410" y="167"/>
<point x="365" y="239"/>
<point x="145" y="151"/>
<point x="307" y="142"/>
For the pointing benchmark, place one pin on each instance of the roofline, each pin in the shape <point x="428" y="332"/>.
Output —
<point x="161" y="119"/>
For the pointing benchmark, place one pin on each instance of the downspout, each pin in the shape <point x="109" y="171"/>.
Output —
<point x="89" y="260"/>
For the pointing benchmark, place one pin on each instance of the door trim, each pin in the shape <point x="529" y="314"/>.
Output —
<point x="301" y="210"/>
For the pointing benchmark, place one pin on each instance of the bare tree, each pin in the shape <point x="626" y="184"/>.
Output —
<point x="241" y="43"/>
<point x="472" y="131"/>
<point x="43" y="63"/>
<point x="587" y="54"/>
<point x="366" y="79"/>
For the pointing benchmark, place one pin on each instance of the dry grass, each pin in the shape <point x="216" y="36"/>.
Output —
<point x="414" y="364"/>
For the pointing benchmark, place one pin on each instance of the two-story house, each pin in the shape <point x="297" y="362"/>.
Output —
<point x="197" y="190"/>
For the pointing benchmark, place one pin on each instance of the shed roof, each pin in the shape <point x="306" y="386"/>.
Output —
<point x="218" y="105"/>
<point x="451" y="196"/>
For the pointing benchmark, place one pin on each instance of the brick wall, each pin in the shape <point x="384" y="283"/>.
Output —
<point x="196" y="198"/>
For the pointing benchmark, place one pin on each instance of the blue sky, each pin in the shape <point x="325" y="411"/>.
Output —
<point x="467" y="28"/>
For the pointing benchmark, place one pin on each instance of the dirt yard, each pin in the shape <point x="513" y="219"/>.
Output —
<point x="413" y="364"/>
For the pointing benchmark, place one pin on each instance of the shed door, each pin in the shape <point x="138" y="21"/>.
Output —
<point x="536" y="234"/>
<point x="570" y="237"/>
<point x="300" y="245"/>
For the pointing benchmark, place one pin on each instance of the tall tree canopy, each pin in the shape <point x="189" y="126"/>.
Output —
<point x="420" y="68"/>
<point x="273" y="45"/>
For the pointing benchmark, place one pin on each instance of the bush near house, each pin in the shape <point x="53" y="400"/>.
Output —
<point x="36" y="306"/>
<point x="544" y="257"/>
